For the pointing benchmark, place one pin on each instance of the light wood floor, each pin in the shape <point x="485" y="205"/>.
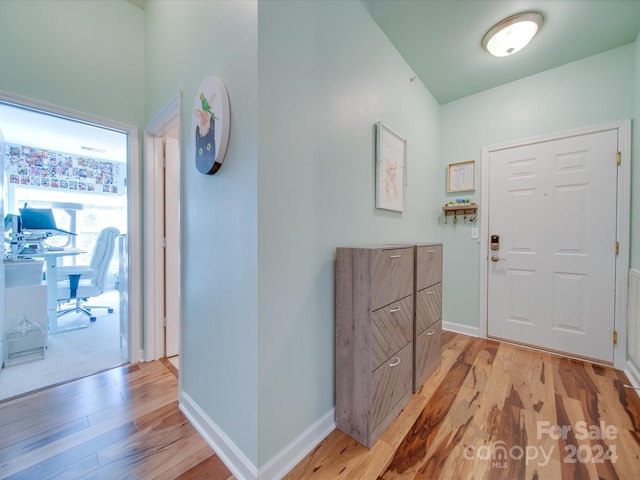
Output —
<point x="486" y="407"/>
<point x="477" y="418"/>
<point x="120" y="424"/>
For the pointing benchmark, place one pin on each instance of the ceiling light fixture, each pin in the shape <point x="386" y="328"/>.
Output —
<point x="512" y="34"/>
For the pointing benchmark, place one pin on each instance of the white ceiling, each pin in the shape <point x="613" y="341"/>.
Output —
<point x="26" y="127"/>
<point x="440" y="39"/>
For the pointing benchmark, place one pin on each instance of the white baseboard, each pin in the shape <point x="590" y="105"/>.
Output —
<point x="633" y="374"/>
<point x="293" y="453"/>
<point x="237" y="462"/>
<point x="463" y="329"/>
<point x="229" y="453"/>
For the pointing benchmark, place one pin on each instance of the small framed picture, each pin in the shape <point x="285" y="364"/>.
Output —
<point x="462" y="176"/>
<point x="391" y="169"/>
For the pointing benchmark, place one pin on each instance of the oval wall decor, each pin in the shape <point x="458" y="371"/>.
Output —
<point x="210" y="125"/>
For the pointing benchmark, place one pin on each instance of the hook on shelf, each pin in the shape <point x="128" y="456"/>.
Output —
<point x="467" y="210"/>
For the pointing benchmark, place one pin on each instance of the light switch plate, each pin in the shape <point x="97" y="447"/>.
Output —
<point x="475" y="233"/>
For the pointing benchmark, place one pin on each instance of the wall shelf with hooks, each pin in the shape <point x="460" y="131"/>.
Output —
<point x="468" y="211"/>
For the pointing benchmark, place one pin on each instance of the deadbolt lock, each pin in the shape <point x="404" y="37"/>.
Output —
<point x="495" y="242"/>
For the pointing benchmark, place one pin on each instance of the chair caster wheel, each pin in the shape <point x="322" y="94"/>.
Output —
<point x="110" y="310"/>
<point x="92" y="319"/>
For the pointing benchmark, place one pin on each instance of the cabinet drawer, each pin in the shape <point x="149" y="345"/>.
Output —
<point x="428" y="307"/>
<point x="391" y="382"/>
<point x="391" y="329"/>
<point x="428" y="265"/>
<point x="391" y="275"/>
<point x="428" y="352"/>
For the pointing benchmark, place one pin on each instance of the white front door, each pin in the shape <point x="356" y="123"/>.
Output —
<point x="551" y="282"/>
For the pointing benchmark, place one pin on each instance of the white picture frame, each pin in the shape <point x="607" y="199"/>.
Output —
<point x="462" y="176"/>
<point x="391" y="169"/>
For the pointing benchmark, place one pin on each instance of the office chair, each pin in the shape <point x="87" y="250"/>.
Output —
<point x="80" y="282"/>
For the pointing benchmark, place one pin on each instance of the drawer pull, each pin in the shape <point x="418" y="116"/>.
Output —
<point x="431" y="292"/>
<point x="430" y="332"/>
<point x="394" y="310"/>
<point x="431" y="251"/>
<point x="395" y="362"/>
<point x="394" y="256"/>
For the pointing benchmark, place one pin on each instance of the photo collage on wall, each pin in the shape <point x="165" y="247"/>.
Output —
<point x="36" y="167"/>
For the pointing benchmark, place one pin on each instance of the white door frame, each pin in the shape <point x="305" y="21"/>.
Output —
<point x="623" y="227"/>
<point x="161" y="125"/>
<point x="134" y="230"/>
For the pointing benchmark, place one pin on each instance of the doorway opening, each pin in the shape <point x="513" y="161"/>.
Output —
<point x="75" y="169"/>
<point x="162" y="229"/>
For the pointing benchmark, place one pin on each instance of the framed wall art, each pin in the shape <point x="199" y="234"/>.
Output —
<point x="391" y="169"/>
<point x="462" y="176"/>
<point x="210" y="125"/>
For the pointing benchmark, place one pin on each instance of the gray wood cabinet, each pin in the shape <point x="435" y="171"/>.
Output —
<point x="428" y="311"/>
<point x="388" y="332"/>
<point x="374" y="338"/>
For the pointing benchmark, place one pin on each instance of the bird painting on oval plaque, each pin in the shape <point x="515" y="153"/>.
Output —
<point x="210" y="126"/>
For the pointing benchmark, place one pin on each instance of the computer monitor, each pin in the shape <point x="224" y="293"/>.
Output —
<point x="12" y="222"/>
<point x="40" y="219"/>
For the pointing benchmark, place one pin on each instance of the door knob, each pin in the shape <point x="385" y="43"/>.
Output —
<point x="495" y="258"/>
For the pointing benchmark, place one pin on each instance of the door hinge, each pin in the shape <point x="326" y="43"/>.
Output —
<point x="164" y="322"/>
<point x="617" y="248"/>
<point x="618" y="158"/>
<point x="615" y="337"/>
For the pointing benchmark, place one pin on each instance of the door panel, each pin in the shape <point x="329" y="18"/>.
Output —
<point x="172" y="254"/>
<point x="554" y="206"/>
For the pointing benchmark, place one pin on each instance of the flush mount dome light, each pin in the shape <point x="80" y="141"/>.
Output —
<point x="512" y="34"/>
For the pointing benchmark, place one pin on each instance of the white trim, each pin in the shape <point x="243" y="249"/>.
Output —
<point x="229" y="453"/>
<point x="623" y="224"/>
<point x="624" y="237"/>
<point x="153" y="267"/>
<point x="304" y="443"/>
<point x="237" y="462"/>
<point x="462" y="329"/>
<point x="135" y="250"/>
<point x="633" y="374"/>
<point x="164" y="122"/>
<point x="133" y="202"/>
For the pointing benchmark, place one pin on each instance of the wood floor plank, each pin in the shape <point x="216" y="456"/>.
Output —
<point x="211" y="467"/>
<point x="423" y="432"/>
<point x="488" y="397"/>
<point x="336" y="457"/>
<point x="123" y="423"/>
<point x="56" y="464"/>
<point x="485" y="407"/>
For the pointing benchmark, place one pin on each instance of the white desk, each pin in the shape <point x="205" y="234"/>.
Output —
<point x="51" y="258"/>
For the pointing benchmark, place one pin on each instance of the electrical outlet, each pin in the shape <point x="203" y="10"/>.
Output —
<point x="475" y="233"/>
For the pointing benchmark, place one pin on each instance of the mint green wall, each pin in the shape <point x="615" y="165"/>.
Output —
<point x="187" y="42"/>
<point x="87" y="56"/>
<point x="327" y="74"/>
<point x="595" y="90"/>
<point x="307" y="82"/>
<point x="635" y="166"/>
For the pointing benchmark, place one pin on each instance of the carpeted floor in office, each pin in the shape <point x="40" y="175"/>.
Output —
<point x="71" y="354"/>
